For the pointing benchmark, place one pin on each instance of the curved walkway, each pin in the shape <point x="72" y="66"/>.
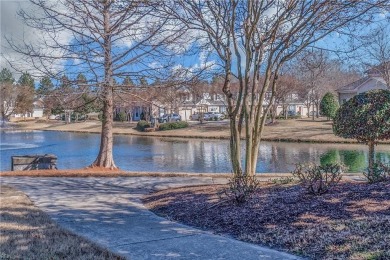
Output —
<point x="109" y="212"/>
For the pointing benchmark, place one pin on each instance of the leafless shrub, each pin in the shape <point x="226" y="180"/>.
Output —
<point x="379" y="172"/>
<point x="241" y="188"/>
<point x="282" y="180"/>
<point x="318" y="179"/>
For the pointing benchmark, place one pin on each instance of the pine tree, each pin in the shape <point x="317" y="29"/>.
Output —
<point x="45" y="87"/>
<point x="143" y="81"/>
<point x="6" y="76"/>
<point x="26" y="80"/>
<point x="127" y="82"/>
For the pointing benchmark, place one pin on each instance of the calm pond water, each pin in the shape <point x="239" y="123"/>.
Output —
<point x="132" y="153"/>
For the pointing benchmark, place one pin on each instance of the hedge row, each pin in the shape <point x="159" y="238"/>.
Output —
<point x="173" y="125"/>
<point x="141" y="125"/>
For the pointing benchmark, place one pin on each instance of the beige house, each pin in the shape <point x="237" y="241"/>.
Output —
<point x="372" y="81"/>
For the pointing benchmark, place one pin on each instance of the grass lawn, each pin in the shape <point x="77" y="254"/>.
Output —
<point x="350" y="222"/>
<point x="307" y="130"/>
<point x="28" y="233"/>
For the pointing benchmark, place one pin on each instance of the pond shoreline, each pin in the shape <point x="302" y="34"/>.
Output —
<point x="107" y="173"/>
<point x="292" y="131"/>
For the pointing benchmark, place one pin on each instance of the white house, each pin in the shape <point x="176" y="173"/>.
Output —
<point x="36" y="112"/>
<point x="208" y="102"/>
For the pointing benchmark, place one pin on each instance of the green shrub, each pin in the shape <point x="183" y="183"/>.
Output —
<point x="366" y="118"/>
<point x="318" y="179"/>
<point x="142" y="124"/>
<point x="329" y="106"/>
<point x="173" y="125"/>
<point x="379" y="172"/>
<point x="241" y="188"/>
<point x="121" y="116"/>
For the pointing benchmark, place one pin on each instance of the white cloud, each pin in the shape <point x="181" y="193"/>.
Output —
<point x="13" y="28"/>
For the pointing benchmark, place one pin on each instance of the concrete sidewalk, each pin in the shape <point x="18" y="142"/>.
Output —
<point x="109" y="212"/>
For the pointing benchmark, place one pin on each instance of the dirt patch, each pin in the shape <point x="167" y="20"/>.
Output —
<point x="104" y="172"/>
<point x="86" y="172"/>
<point x="350" y="222"/>
<point x="28" y="233"/>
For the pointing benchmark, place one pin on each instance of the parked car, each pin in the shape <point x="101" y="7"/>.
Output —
<point x="213" y="116"/>
<point x="313" y="112"/>
<point x="219" y="116"/>
<point x="195" y="117"/>
<point x="169" y="118"/>
<point x="289" y="113"/>
<point x="207" y="116"/>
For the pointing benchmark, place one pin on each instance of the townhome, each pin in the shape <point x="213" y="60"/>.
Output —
<point x="373" y="80"/>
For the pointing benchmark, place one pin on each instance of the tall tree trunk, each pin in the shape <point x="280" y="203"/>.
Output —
<point x="235" y="147"/>
<point x="371" y="156"/>
<point x="249" y="139"/>
<point x="313" y="112"/>
<point x="273" y="114"/>
<point x="105" y="157"/>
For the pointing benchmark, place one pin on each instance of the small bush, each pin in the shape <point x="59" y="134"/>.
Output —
<point x="142" y="124"/>
<point x="121" y="116"/>
<point x="379" y="172"/>
<point x="317" y="179"/>
<point x="173" y="125"/>
<point x="241" y="188"/>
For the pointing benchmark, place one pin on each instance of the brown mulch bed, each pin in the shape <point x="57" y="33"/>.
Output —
<point x="350" y="222"/>
<point x="28" y="233"/>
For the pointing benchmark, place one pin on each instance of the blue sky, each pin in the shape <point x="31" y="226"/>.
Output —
<point x="11" y="26"/>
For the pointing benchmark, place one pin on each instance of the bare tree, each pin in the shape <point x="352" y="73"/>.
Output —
<point x="312" y="68"/>
<point x="15" y="98"/>
<point x="376" y="51"/>
<point x="338" y="74"/>
<point x="8" y="98"/>
<point x="285" y="92"/>
<point x="8" y="94"/>
<point x="107" y="40"/>
<point x="318" y="74"/>
<point x="255" y="38"/>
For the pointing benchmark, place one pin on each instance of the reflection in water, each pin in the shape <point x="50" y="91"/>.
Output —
<point x="354" y="160"/>
<point x="330" y="157"/>
<point x="178" y="155"/>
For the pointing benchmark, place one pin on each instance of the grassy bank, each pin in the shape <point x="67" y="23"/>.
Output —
<point x="294" y="130"/>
